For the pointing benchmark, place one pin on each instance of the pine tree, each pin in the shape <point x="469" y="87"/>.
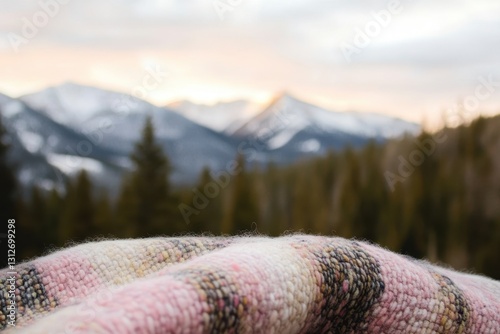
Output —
<point x="209" y="217"/>
<point x="8" y="183"/>
<point x="8" y="191"/>
<point x="243" y="210"/>
<point x="309" y="210"/>
<point x="274" y="202"/>
<point x="104" y="221"/>
<point x="78" y="216"/>
<point x="126" y="211"/>
<point x="347" y="222"/>
<point x="38" y="215"/>
<point x="373" y="195"/>
<point x="24" y="248"/>
<point x="54" y="209"/>
<point x="30" y="224"/>
<point x="146" y="191"/>
<point x="38" y="222"/>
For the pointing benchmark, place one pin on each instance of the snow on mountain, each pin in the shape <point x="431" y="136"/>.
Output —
<point x="36" y="139"/>
<point x="113" y="122"/>
<point x="57" y="131"/>
<point x="376" y="125"/>
<point x="73" y="105"/>
<point x="221" y="117"/>
<point x="289" y="115"/>
<point x="32" y="141"/>
<point x="61" y="161"/>
<point x="290" y="129"/>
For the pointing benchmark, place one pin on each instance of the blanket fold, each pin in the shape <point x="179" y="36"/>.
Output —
<point x="292" y="284"/>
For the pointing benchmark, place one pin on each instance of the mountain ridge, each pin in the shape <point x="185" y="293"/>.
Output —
<point x="90" y="125"/>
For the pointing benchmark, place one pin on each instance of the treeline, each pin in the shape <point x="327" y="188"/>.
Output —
<point x="434" y="196"/>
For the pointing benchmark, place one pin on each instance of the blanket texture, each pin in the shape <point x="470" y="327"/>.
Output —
<point x="293" y="284"/>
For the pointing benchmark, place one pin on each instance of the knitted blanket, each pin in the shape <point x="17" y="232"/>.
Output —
<point x="293" y="284"/>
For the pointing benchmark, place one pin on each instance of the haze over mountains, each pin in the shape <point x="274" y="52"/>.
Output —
<point x="60" y="130"/>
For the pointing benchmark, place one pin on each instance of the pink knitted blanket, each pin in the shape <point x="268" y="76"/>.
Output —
<point x="294" y="284"/>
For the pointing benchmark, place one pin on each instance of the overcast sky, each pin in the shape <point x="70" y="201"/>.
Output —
<point x="430" y="54"/>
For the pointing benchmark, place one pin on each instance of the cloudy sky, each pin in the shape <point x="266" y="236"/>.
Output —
<point x="415" y="61"/>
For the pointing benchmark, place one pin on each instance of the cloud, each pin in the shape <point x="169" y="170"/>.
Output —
<point x="430" y="52"/>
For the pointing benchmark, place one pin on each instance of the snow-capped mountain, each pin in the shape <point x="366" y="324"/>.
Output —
<point x="296" y="127"/>
<point x="222" y="117"/>
<point x="60" y="130"/>
<point x="73" y="105"/>
<point x="102" y="127"/>
<point x="46" y="152"/>
<point x="288" y="113"/>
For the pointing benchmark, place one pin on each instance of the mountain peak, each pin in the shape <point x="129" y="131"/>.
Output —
<point x="284" y="102"/>
<point x="290" y="116"/>
<point x="72" y="103"/>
